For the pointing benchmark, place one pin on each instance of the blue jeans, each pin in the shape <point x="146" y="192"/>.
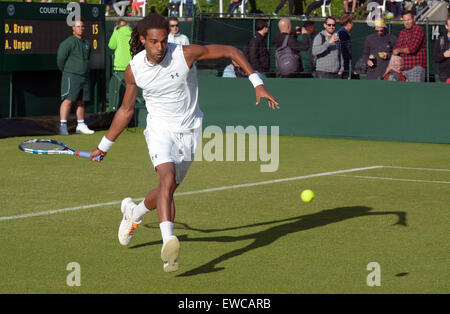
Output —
<point x="189" y="8"/>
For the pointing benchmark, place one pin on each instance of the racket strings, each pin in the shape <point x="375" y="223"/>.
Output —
<point x="43" y="146"/>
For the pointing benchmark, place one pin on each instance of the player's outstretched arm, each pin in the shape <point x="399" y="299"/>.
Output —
<point x="262" y="92"/>
<point x="121" y="118"/>
<point x="194" y="53"/>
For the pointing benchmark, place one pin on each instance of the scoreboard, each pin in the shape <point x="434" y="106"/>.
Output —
<point x="30" y="34"/>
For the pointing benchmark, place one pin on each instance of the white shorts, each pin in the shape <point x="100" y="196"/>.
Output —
<point x="177" y="147"/>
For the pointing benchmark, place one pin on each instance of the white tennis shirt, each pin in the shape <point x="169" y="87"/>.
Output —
<point x="170" y="90"/>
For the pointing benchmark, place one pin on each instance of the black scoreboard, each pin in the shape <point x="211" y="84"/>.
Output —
<point x="31" y="33"/>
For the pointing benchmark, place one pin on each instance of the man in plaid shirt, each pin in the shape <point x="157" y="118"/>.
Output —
<point x="412" y="47"/>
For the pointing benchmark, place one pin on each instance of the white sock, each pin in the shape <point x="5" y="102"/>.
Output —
<point x="166" y="230"/>
<point x="63" y="121"/>
<point x="80" y="122"/>
<point x="139" y="211"/>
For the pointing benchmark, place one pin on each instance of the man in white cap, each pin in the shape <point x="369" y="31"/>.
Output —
<point x="377" y="51"/>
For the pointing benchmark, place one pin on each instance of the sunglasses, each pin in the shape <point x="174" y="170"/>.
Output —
<point x="175" y="25"/>
<point x="331" y="25"/>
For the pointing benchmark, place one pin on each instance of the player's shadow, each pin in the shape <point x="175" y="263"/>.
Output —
<point x="270" y="235"/>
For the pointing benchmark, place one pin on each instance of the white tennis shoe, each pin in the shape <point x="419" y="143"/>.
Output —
<point x="83" y="129"/>
<point x="169" y="254"/>
<point x="127" y="225"/>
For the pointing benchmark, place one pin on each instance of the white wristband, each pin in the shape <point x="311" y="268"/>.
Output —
<point x="255" y="79"/>
<point x="105" y="144"/>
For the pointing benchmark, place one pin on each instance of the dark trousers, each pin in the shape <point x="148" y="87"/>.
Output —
<point x="315" y="5"/>
<point x="282" y="3"/>
<point x="190" y="9"/>
<point x="397" y="8"/>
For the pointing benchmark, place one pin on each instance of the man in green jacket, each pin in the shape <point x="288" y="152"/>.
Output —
<point x="120" y="43"/>
<point x="73" y="60"/>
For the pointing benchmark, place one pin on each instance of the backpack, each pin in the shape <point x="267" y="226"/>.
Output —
<point x="286" y="60"/>
<point x="313" y="57"/>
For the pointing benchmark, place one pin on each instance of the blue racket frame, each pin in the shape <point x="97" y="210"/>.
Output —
<point x="65" y="150"/>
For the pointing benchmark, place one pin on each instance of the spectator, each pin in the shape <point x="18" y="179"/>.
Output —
<point x="397" y="8"/>
<point x="347" y="4"/>
<point x="285" y="27"/>
<point x="415" y="6"/>
<point x="379" y="45"/>
<point x="281" y="5"/>
<point x="315" y="5"/>
<point x="412" y="46"/>
<point x="121" y="7"/>
<point x="108" y="5"/>
<point x="73" y="60"/>
<point x="345" y="39"/>
<point x="136" y="7"/>
<point x="256" y="50"/>
<point x="234" y="4"/>
<point x="394" y="70"/>
<point x="174" y="6"/>
<point x="175" y="36"/>
<point x="327" y="51"/>
<point x="442" y="54"/>
<point x="233" y="70"/>
<point x="421" y="6"/>
<point x="120" y="43"/>
<point x="307" y="59"/>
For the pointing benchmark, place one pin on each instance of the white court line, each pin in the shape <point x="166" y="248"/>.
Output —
<point x="391" y="179"/>
<point x="412" y="168"/>
<point x="222" y="188"/>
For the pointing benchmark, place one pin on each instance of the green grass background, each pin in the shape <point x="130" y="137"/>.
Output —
<point x="260" y="239"/>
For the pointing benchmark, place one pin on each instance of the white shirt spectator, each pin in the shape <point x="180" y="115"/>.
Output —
<point x="179" y="39"/>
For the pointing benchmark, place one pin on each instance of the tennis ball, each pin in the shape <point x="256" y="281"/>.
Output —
<point x="307" y="196"/>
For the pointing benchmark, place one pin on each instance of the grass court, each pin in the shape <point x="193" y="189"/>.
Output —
<point x="241" y="230"/>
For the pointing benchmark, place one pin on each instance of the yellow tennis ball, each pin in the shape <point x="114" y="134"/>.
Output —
<point x="307" y="196"/>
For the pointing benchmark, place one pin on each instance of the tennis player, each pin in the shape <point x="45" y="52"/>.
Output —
<point x="168" y="77"/>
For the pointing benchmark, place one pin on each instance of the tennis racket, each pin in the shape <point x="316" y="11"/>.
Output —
<point x="50" y="147"/>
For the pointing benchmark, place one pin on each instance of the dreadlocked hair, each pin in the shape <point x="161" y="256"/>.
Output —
<point x="151" y="21"/>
